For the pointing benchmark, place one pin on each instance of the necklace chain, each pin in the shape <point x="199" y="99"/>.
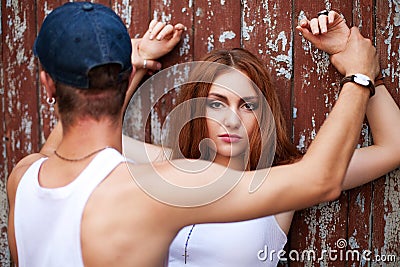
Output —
<point x="82" y="158"/>
<point x="187" y="242"/>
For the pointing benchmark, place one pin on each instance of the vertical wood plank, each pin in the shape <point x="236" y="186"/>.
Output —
<point x="20" y="81"/>
<point x="386" y="208"/>
<point x="4" y="252"/>
<point x="47" y="119"/>
<point x="217" y="25"/>
<point x="21" y="135"/>
<point x="267" y="32"/>
<point x="136" y="16"/>
<point x="170" y="12"/>
<point x="360" y="199"/>
<point x="315" y="91"/>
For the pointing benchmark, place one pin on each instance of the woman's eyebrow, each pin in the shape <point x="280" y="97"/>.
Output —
<point x="218" y="96"/>
<point x="247" y="98"/>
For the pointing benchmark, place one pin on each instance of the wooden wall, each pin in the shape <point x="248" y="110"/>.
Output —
<point x="368" y="218"/>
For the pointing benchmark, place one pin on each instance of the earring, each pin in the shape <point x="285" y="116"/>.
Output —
<point x="51" y="101"/>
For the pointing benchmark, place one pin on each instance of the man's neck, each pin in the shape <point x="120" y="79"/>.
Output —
<point x="88" y="135"/>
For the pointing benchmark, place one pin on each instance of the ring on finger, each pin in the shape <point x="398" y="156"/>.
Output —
<point x="144" y="63"/>
<point x="323" y="12"/>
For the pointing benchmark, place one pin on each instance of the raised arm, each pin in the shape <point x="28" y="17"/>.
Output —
<point x="316" y="178"/>
<point x="141" y="152"/>
<point x="158" y="41"/>
<point x="369" y="163"/>
<point x="330" y="33"/>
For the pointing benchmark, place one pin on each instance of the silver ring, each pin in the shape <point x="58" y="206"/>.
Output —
<point x="323" y="12"/>
<point x="144" y="63"/>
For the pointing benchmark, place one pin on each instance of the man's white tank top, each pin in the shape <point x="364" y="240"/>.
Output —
<point x="48" y="220"/>
<point x="250" y="243"/>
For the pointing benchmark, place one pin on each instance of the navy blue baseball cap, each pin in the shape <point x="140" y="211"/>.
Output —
<point x="79" y="36"/>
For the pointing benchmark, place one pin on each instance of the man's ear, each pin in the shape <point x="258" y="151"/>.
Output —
<point x="48" y="84"/>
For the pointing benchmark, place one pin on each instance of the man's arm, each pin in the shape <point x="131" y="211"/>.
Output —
<point x="316" y="178"/>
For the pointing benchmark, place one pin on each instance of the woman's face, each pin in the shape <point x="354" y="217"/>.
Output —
<point x="231" y="109"/>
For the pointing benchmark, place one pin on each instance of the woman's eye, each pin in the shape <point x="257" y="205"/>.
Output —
<point x="215" y="104"/>
<point x="250" y="106"/>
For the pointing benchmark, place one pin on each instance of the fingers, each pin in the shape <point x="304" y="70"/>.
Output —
<point x="152" y="24"/>
<point x="155" y="28"/>
<point x="166" y="31"/>
<point x="152" y="65"/>
<point x="319" y="25"/>
<point x="180" y="27"/>
<point x="161" y="30"/>
<point x="322" y="23"/>
<point x="305" y="31"/>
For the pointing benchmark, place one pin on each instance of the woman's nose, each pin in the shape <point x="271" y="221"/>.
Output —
<point x="231" y="119"/>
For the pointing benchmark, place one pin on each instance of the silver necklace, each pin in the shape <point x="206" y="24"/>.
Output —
<point x="82" y="158"/>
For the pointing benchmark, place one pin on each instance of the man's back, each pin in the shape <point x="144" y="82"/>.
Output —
<point x="120" y="224"/>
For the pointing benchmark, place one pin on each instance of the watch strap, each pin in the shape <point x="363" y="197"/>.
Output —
<point x="350" y="78"/>
<point x="379" y="80"/>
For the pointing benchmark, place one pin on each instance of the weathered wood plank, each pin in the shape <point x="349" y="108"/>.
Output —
<point x="170" y="12"/>
<point x="136" y="15"/>
<point x="21" y="118"/>
<point x="267" y="32"/>
<point x="315" y="91"/>
<point x="385" y="226"/>
<point x="217" y="25"/>
<point x="360" y="199"/>
<point x="21" y="135"/>
<point x="47" y="119"/>
<point x="4" y="171"/>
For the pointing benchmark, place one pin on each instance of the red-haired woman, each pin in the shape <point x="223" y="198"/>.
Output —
<point x="230" y="124"/>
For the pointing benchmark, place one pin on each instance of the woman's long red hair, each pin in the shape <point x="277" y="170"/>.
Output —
<point x="188" y="139"/>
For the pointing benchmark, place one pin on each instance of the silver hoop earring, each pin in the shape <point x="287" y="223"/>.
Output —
<point x="51" y="101"/>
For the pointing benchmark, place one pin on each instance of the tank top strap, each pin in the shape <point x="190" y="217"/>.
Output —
<point x="99" y="168"/>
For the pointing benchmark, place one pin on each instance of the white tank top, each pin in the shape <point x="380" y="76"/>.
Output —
<point x="48" y="220"/>
<point x="249" y="243"/>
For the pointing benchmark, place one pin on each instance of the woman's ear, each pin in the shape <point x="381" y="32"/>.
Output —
<point x="48" y="84"/>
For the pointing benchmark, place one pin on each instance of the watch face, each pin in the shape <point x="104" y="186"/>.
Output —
<point x="361" y="79"/>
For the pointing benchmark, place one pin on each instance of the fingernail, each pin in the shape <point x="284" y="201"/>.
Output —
<point x="158" y="65"/>
<point x="151" y="36"/>
<point x="159" y="37"/>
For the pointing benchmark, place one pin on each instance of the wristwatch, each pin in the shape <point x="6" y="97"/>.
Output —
<point x="360" y="79"/>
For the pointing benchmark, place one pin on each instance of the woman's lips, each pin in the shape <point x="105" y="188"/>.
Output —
<point x="230" y="138"/>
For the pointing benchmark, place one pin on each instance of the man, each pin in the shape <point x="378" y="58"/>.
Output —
<point x="81" y="207"/>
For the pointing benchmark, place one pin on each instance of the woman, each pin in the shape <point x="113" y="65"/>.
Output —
<point x="239" y="244"/>
<point x="234" y="108"/>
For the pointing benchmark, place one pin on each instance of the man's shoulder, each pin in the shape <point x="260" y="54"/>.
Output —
<point x="19" y="170"/>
